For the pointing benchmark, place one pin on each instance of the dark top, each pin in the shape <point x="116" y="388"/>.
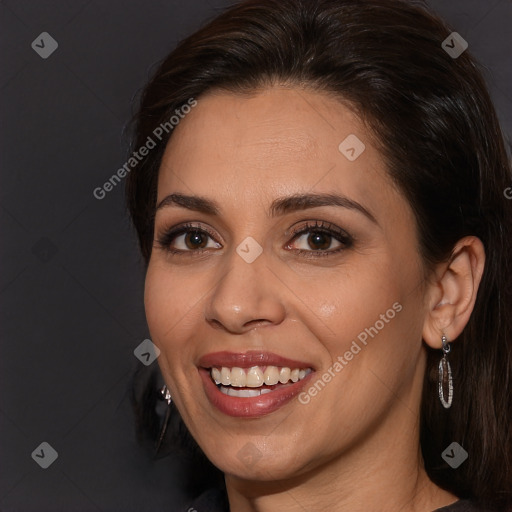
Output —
<point x="215" y="500"/>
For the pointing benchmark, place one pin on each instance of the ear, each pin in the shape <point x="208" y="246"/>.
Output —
<point x="451" y="295"/>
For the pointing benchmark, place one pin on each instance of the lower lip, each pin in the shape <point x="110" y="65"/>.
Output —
<point x="250" y="407"/>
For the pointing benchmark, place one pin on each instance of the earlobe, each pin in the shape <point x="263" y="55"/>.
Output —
<point x="453" y="294"/>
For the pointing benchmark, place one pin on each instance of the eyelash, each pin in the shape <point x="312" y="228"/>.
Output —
<point x="164" y="241"/>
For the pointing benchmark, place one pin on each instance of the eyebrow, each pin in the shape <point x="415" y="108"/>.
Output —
<point x="279" y="206"/>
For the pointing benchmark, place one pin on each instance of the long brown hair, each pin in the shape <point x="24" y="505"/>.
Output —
<point x="435" y="125"/>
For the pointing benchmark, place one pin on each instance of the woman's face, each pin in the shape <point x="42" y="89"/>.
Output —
<point x="267" y="285"/>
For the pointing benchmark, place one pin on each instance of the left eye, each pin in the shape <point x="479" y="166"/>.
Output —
<point x="318" y="240"/>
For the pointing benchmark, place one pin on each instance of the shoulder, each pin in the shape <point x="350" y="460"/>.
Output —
<point x="212" y="500"/>
<point x="467" y="506"/>
<point x="215" y="500"/>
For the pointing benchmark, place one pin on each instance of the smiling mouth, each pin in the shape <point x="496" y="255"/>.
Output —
<point x="256" y="380"/>
<point x="252" y="384"/>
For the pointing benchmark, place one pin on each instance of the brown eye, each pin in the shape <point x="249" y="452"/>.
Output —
<point x="318" y="240"/>
<point x="196" y="240"/>
<point x="187" y="239"/>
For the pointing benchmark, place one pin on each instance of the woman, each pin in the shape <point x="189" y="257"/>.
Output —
<point x="321" y="208"/>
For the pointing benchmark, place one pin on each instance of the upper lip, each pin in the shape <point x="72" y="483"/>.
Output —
<point x="248" y="359"/>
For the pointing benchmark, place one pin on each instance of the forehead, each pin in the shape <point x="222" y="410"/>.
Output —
<point x="251" y="148"/>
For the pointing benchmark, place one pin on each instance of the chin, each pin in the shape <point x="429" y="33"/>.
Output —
<point x="249" y="462"/>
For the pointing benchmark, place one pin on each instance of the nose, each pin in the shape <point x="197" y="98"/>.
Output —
<point x="247" y="295"/>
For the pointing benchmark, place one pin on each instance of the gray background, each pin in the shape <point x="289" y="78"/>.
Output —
<point x="71" y="278"/>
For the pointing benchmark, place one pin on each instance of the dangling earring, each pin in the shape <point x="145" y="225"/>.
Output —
<point x="164" y="394"/>
<point x="445" y="375"/>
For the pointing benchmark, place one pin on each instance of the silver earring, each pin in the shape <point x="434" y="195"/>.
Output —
<point x="166" y="394"/>
<point x="445" y="375"/>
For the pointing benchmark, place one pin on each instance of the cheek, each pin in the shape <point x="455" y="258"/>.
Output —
<point x="162" y="307"/>
<point x="154" y="300"/>
<point x="173" y="305"/>
<point x="368" y="314"/>
<point x="348" y="301"/>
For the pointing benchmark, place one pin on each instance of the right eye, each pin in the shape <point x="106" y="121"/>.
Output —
<point x="193" y="240"/>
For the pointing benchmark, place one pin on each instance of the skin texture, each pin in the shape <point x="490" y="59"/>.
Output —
<point x="355" y="445"/>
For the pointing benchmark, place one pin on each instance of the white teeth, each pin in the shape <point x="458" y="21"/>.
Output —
<point x="238" y="377"/>
<point x="244" y="393"/>
<point x="225" y="376"/>
<point x="255" y="377"/>
<point x="271" y="375"/>
<point x="284" y="375"/>
<point x="216" y="375"/>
